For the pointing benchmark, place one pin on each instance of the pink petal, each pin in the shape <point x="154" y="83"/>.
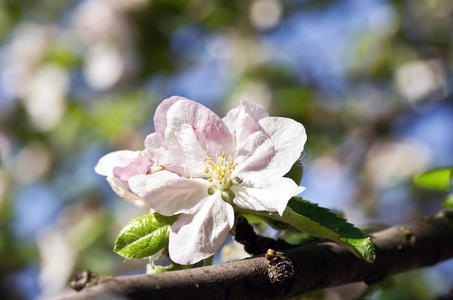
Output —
<point x="168" y="193"/>
<point x="140" y="165"/>
<point x="193" y="133"/>
<point x="122" y="189"/>
<point x="262" y="193"/>
<point x="114" y="159"/>
<point x="160" y="116"/>
<point x="200" y="235"/>
<point x="174" y="159"/>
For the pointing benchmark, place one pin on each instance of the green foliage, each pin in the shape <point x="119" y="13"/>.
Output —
<point x="448" y="202"/>
<point x="438" y="179"/>
<point x="298" y="238"/>
<point x="321" y="222"/>
<point x="144" y="236"/>
<point x="296" y="172"/>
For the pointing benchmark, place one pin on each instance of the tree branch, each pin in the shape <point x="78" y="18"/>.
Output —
<point x="254" y="243"/>
<point x="317" y="265"/>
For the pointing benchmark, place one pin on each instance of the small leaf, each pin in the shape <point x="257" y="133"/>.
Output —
<point x="296" y="172"/>
<point x="144" y="236"/>
<point x="438" y="179"/>
<point x="448" y="202"/>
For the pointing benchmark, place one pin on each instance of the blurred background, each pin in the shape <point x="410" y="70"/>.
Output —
<point x="370" y="80"/>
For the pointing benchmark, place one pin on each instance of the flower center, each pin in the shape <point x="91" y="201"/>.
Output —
<point x="219" y="173"/>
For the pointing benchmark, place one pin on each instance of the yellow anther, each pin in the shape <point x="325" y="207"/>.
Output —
<point x="220" y="171"/>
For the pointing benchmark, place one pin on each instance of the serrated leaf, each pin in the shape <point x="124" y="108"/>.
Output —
<point x="276" y="224"/>
<point x="296" y="172"/>
<point x="438" y="179"/>
<point x="262" y="222"/>
<point x="320" y="222"/>
<point x="144" y="236"/>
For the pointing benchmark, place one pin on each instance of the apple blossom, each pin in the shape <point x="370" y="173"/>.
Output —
<point x="212" y="166"/>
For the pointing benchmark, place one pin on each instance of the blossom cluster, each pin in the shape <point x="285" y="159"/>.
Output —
<point x="201" y="167"/>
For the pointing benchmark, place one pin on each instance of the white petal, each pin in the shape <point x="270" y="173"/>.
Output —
<point x="262" y="193"/>
<point x="168" y="193"/>
<point x="288" y="138"/>
<point x="121" y="188"/>
<point x="257" y="112"/>
<point x="200" y="235"/>
<point x="119" y="158"/>
<point x="254" y="148"/>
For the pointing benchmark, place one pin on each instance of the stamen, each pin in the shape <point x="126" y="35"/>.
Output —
<point x="220" y="171"/>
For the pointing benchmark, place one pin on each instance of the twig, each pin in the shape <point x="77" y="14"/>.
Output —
<point x="317" y="265"/>
<point x="253" y="243"/>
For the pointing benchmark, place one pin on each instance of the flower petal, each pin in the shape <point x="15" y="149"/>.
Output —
<point x="288" y="138"/>
<point x="168" y="193"/>
<point x="122" y="189"/>
<point x="160" y="116"/>
<point x="257" y="112"/>
<point x="114" y="159"/>
<point x="254" y="148"/>
<point x="198" y="236"/>
<point x="262" y="193"/>
<point x="193" y="133"/>
<point x="140" y="165"/>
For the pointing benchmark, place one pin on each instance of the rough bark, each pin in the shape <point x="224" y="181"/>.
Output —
<point x="317" y="265"/>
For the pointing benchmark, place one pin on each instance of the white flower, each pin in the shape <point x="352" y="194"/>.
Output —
<point x="212" y="165"/>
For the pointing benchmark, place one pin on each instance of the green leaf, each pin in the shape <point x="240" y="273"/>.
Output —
<point x="296" y="172"/>
<point x="320" y="222"/>
<point x="438" y="179"/>
<point x="262" y="222"/>
<point x="276" y="224"/>
<point x="144" y="236"/>
<point x="448" y="202"/>
<point x="298" y="238"/>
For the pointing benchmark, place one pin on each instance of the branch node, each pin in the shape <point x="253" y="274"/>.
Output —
<point x="280" y="270"/>
<point x="86" y="279"/>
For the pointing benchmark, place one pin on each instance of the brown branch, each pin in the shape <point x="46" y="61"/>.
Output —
<point x="254" y="243"/>
<point x="317" y="265"/>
